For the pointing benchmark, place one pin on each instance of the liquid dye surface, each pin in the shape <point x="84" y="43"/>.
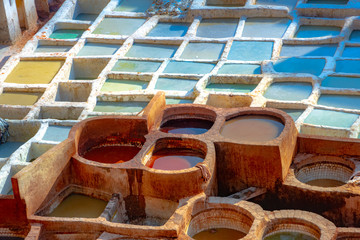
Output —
<point x="252" y="128"/>
<point x="203" y="51"/>
<point x="217" y="28"/>
<point x="118" y="26"/>
<point x="331" y="118"/>
<point x="19" y="98"/>
<point x="178" y="101"/>
<point x="173" y="160"/>
<point x="288" y="91"/>
<point x="86" y="17"/>
<point x="355" y="36"/>
<point x="53" y="48"/>
<point x="234" y="68"/>
<point x="219" y="233"/>
<point x="133" y="5"/>
<point x="222" y="87"/>
<point x="308" y="50"/>
<point x="56" y="133"/>
<point x="123" y="107"/>
<point x="340" y="101"/>
<point x="251" y="51"/>
<point x="119" y="85"/>
<point x="34" y="72"/>
<point x="186" y="126"/>
<point x="289" y="236"/>
<point x="98" y="49"/>
<point x="136" y="66"/>
<point x="265" y="27"/>
<point x="8" y="148"/>
<point x="78" y="205"/>
<point x="112" y="153"/>
<point x="188" y="67"/>
<point x="175" y="84"/>
<point x="287" y="3"/>
<point x="169" y="30"/>
<point x="351" y="52"/>
<point x="294" y="113"/>
<point x="140" y="50"/>
<point x="300" y="65"/>
<point x="341" y="82"/>
<point x="66" y="33"/>
<point x="338" y="2"/>
<point x="348" y="66"/>
<point x="325" y="183"/>
<point x="311" y="31"/>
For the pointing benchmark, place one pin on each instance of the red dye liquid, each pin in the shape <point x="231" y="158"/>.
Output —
<point x="111" y="154"/>
<point x="186" y="126"/>
<point x="165" y="160"/>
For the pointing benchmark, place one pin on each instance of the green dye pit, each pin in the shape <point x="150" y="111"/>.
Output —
<point x="118" y="26"/>
<point x="19" y="98"/>
<point x="169" y="30"/>
<point x="139" y="50"/>
<point x="121" y="107"/>
<point x="86" y="17"/>
<point x="288" y="91"/>
<point x="217" y="28"/>
<point x="331" y="118"/>
<point x="119" y="85"/>
<point x="251" y="51"/>
<point x="98" y="49"/>
<point x="265" y="27"/>
<point x="238" y="88"/>
<point x="66" y="33"/>
<point x="136" y="66"/>
<point x="203" y="51"/>
<point x="311" y="31"/>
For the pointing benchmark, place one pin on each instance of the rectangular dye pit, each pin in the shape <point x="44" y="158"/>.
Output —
<point x="84" y="11"/>
<point x="56" y="133"/>
<point x="81" y="69"/>
<point x="36" y="150"/>
<point x="9" y="112"/>
<point x="121" y="85"/>
<point x="329" y="118"/>
<point x="98" y="49"/>
<point x="217" y="28"/>
<point x="19" y="98"/>
<point x="313" y="31"/>
<point x="355" y="36"/>
<point x="300" y="65"/>
<point x="231" y="84"/>
<point x="34" y="71"/>
<point x="132" y="107"/>
<point x="8" y="148"/>
<point x="351" y="52"/>
<point x="175" y="84"/>
<point x="118" y="26"/>
<point x="239" y="68"/>
<point x="133" y="5"/>
<point x="250" y="51"/>
<point x="265" y="27"/>
<point x="7" y="187"/>
<point x="340" y="101"/>
<point x="348" y="66"/>
<point x="143" y="50"/>
<point x="60" y="113"/>
<point x="73" y="92"/>
<point x="163" y="29"/>
<point x="47" y="48"/>
<point x="341" y="82"/>
<point x="285" y="3"/>
<point x="136" y="66"/>
<point x="210" y="51"/>
<point x="70" y="31"/>
<point x="86" y="17"/>
<point x="308" y="50"/>
<point x="188" y="67"/>
<point x="288" y="91"/>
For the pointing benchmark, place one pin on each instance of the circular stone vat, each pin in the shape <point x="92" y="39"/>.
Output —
<point x="175" y="154"/>
<point x="325" y="171"/>
<point x="291" y="229"/>
<point x="252" y="128"/>
<point x="186" y="126"/>
<point x="111" y="153"/>
<point x="220" y="223"/>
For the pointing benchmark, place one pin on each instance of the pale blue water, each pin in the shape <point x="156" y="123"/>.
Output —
<point x="118" y="26"/>
<point x="355" y="36"/>
<point x="239" y="88"/>
<point x="294" y="113"/>
<point x="287" y="3"/>
<point x="56" y="133"/>
<point x="340" y="101"/>
<point x="188" y="67"/>
<point x="140" y="50"/>
<point x="178" y="101"/>
<point x="331" y="118"/>
<point x="300" y="65"/>
<point x="288" y="91"/>
<point x="265" y="27"/>
<point x="340" y="2"/>
<point x="133" y="5"/>
<point x="169" y="30"/>
<point x="239" y="68"/>
<point x="97" y="49"/>
<point x="308" y="50"/>
<point x="311" y="31"/>
<point x="217" y="28"/>
<point x="203" y="51"/>
<point x="351" y="52"/>
<point x="53" y="48"/>
<point x="6" y="149"/>
<point x="348" y="66"/>
<point x="251" y="51"/>
<point x="123" y="107"/>
<point x="176" y="84"/>
<point x="136" y="66"/>
<point x="86" y="17"/>
<point x="341" y="82"/>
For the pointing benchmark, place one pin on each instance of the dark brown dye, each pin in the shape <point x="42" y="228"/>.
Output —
<point x="173" y="160"/>
<point x="111" y="153"/>
<point x="253" y="128"/>
<point x="10" y="238"/>
<point x="186" y="126"/>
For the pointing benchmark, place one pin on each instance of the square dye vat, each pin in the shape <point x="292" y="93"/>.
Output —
<point x="300" y="65"/>
<point x="119" y="85"/>
<point x="288" y="91"/>
<point x="52" y="48"/>
<point x="293" y="113"/>
<point x="251" y="51"/>
<point x="175" y="84"/>
<point x="133" y="5"/>
<point x="136" y="66"/>
<point x="188" y="67"/>
<point x="163" y="29"/>
<point x="118" y="26"/>
<point x="330" y="118"/>
<point x="178" y="101"/>
<point x="98" y="49"/>
<point x="66" y="33"/>
<point x="56" y="133"/>
<point x="19" y="98"/>
<point x="341" y="82"/>
<point x="312" y="31"/>
<point x="120" y="107"/>
<point x="203" y="51"/>
<point x="217" y="28"/>
<point x="340" y="101"/>
<point x="140" y="50"/>
<point x="265" y="27"/>
<point x="348" y="66"/>
<point x="308" y="50"/>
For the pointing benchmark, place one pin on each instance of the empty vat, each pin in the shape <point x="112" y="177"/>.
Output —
<point x="175" y="84"/>
<point x="239" y="68"/>
<point x="188" y="67"/>
<point x="300" y="65"/>
<point x="251" y="51"/>
<point x="286" y="3"/>
<point x="288" y="91"/>
<point x="355" y="36"/>
<point x="203" y="50"/>
<point x="79" y="206"/>
<point x="351" y="52"/>
<point x="80" y="69"/>
<point x="19" y="98"/>
<point x="230" y="87"/>
<point x="294" y="113"/>
<point x="36" y="150"/>
<point x="119" y="85"/>
<point x="311" y="31"/>
<point x="265" y="27"/>
<point x="163" y="29"/>
<point x="56" y="133"/>
<point x="73" y="92"/>
<point x="186" y="126"/>
<point x="118" y="26"/>
<point x="133" y="5"/>
<point x="140" y="50"/>
<point x="340" y="101"/>
<point x="348" y="66"/>
<point x="121" y="107"/>
<point x="42" y="48"/>
<point x="337" y="2"/>
<point x="252" y="128"/>
<point x="60" y="112"/>
<point x="217" y="28"/>
<point x="308" y="50"/>
<point x="341" y="82"/>
<point x="66" y="33"/>
<point x="98" y="49"/>
<point x="111" y="153"/>
<point x="34" y="72"/>
<point x="321" y="117"/>
<point x="136" y="66"/>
